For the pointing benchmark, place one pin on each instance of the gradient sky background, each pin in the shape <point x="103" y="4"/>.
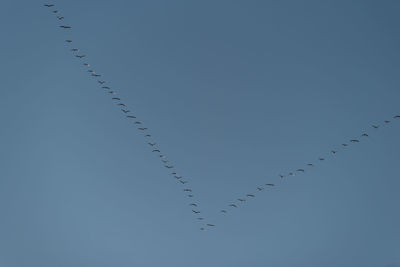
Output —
<point x="235" y="92"/>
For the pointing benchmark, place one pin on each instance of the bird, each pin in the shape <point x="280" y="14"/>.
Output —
<point x="65" y="27"/>
<point x="125" y="111"/>
<point x="178" y="176"/>
<point x="333" y="151"/>
<point x="396" y="117"/>
<point x="209" y="224"/>
<point x="131" y="117"/>
<point x="187" y="190"/>
<point x="202" y="228"/>
<point x="375" y="126"/>
<point x="95" y="75"/>
<point x="200" y="218"/>
<point x="233" y="205"/>
<point x="152" y="144"/>
<point x="291" y="174"/>
<point x="169" y="167"/>
<point x="195" y="211"/>
<point x="280" y="175"/>
<point x="250" y="195"/>
<point x="190" y="195"/>
<point x="386" y="121"/>
<point x="48" y="5"/>
<point x="101" y="82"/>
<point x="142" y="129"/>
<point x="76" y="50"/>
<point x="241" y="200"/>
<point x="80" y="56"/>
<point x="105" y="87"/>
<point x="121" y="104"/>
<point x="321" y="159"/>
<point x="68" y="41"/>
<point x="55" y="11"/>
<point x="345" y="145"/>
<point x="164" y="161"/>
<point x="138" y="122"/>
<point x="148" y="135"/>
<point x="300" y="170"/>
<point x="270" y="184"/>
<point x="223" y="211"/>
<point x="60" y="18"/>
<point x="354" y="141"/>
<point x="86" y="64"/>
<point x="183" y="182"/>
<point x="310" y="164"/>
<point x="364" y="134"/>
<point x="193" y="204"/>
<point x="116" y="98"/>
<point x="156" y="150"/>
<point x="260" y="188"/>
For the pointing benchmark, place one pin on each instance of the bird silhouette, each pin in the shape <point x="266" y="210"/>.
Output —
<point x="48" y="5"/>
<point x="233" y="205"/>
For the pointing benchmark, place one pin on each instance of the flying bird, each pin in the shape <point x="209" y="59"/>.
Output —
<point x="65" y="27"/>
<point x="101" y="82"/>
<point x="280" y="175"/>
<point x="131" y="117"/>
<point x="291" y="174"/>
<point x="95" y="75"/>
<point x="164" y="161"/>
<point x="209" y="224"/>
<point x="121" y="104"/>
<point x="333" y="151"/>
<point x="396" y="117"/>
<point x="260" y="188"/>
<point x="202" y="228"/>
<point x="156" y="150"/>
<point x="125" y="110"/>
<point x="86" y="64"/>
<point x="68" y="41"/>
<point x="223" y="211"/>
<point x="250" y="195"/>
<point x="233" y="205"/>
<point x="195" y="211"/>
<point x="187" y="190"/>
<point x="190" y="195"/>
<point x="310" y="164"/>
<point x="76" y="50"/>
<point x="80" y="56"/>
<point x="321" y="159"/>
<point x="345" y="145"/>
<point x="105" y="87"/>
<point x="354" y="141"/>
<point x="386" y="121"/>
<point x="152" y="144"/>
<point x="148" y="135"/>
<point x="364" y="134"/>
<point x="55" y="11"/>
<point x="178" y="176"/>
<point x="241" y="199"/>
<point x="183" y="182"/>
<point x="375" y="126"/>
<point x="193" y="204"/>
<point x="169" y="167"/>
<point x="116" y="98"/>
<point x="300" y="170"/>
<point x="200" y="218"/>
<point x="142" y="129"/>
<point x="138" y="122"/>
<point x="48" y="5"/>
<point x="270" y="184"/>
<point x="60" y="18"/>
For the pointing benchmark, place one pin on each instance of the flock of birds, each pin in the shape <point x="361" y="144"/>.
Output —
<point x="194" y="205"/>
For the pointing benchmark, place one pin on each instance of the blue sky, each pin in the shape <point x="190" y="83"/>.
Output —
<point x="235" y="93"/>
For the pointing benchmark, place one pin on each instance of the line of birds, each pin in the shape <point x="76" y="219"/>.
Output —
<point x="195" y="207"/>
<point x="302" y="170"/>
<point x="166" y="162"/>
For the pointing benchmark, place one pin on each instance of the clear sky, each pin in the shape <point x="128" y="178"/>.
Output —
<point x="235" y="93"/>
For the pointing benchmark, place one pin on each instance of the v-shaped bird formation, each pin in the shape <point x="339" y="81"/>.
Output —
<point x="155" y="148"/>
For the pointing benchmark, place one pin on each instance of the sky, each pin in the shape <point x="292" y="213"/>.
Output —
<point x="235" y="93"/>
